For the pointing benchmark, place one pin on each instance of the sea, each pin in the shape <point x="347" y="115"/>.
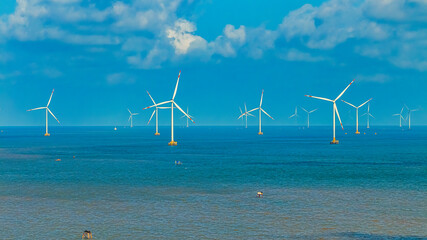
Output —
<point x="128" y="183"/>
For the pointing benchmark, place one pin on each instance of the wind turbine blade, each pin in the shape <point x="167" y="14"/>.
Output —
<point x="53" y="115"/>
<point x="151" y="117"/>
<point x="303" y="109"/>
<point x="253" y="110"/>
<point x="151" y="98"/>
<point x="36" y="109"/>
<point x="243" y="114"/>
<point x="157" y="104"/>
<point x="401" y="111"/>
<point x="364" y="114"/>
<point x="250" y="114"/>
<point x="135" y="113"/>
<point x="246" y="110"/>
<point x="349" y="103"/>
<point x="292" y="116"/>
<point x="397" y="114"/>
<point x="240" y="110"/>
<point x="312" y="110"/>
<point x="180" y="109"/>
<point x="320" y="98"/>
<point x="406" y="106"/>
<point x="365" y="102"/>
<point x="262" y="94"/>
<point x="371" y="115"/>
<point x="50" y="99"/>
<point x="129" y="111"/>
<point x="164" y="107"/>
<point x="266" y="113"/>
<point x="129" y="118"/>
<point x="344" y="91"/>
<point x="176" y="87"/>
<point x="336" y="110"/>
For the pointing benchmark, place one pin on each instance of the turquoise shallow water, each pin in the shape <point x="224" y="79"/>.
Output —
<point x="124" y="184"/>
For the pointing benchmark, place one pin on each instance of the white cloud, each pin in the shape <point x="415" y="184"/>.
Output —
<point x="149" y="33"/>
<point x="330" y="24"/>
<point x="119" y="78"/>
<point x="379" y="78"/>
<point x="296" y="55"/>
<point x="337" y="21"/>
<point x="260" y="40"/>
<point x="230" y="42"/>
<point x="238" y="35"/>
<point x="182" y="37"/>
<point x="299" y="22"/>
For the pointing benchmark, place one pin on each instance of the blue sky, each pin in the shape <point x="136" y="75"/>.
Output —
<point x="101" y="57"/>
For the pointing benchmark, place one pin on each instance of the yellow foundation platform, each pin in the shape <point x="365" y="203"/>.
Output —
<point x="47" y="134"/>
<point x="357" y="132"/>
<point x="335" y="141"/>
<point x="157" y="134"/>
<point x="260" y="133"/>
<point x="172" y="143"/>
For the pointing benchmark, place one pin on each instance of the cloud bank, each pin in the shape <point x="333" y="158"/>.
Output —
<point x="149" y="34"/>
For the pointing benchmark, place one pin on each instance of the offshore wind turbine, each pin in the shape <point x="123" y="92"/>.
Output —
<point x="173" y="105"/>
<point x="246" y="114"/>
<point x="188" y="115"/>
<point x="368" y="114"/>
<point x="334" y="110"/>
<point x="131" y="117"/>
<point x="409" y="115"/>
<point x="260" y="115"/>
<point x="308" y="115"/>
<point x="156" y="111"/>
<point x="47" y="110"/>
<point x="295" y="115"/>
<point x="357" y="113"/>
<point x="400" y="117"/>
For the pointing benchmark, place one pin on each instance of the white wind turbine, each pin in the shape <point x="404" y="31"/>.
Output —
<point x="308" y="115"/>
<point x="334" y="109"/>
<point x="246" y="114"/>
<point x="260" y="115"/>
<point x="47" y="110"/>
<point x="368" y="114"/>
<point x="173" y="104"/>
<point x="188" y="115"/>
<point x="400" y="116"/>
<point x="131" y="117"/>
<point x="357" y="113"/>
<point x="409" y="115"/>
<point x="156" y="111"/>
<point x="295" y="115"/>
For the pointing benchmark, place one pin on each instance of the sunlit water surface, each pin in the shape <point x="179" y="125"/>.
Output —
<point x="124" y="184"/>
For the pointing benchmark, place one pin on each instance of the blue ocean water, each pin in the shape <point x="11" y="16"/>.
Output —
<point x="124" y="184"/>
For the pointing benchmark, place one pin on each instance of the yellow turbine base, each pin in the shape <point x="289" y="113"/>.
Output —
<point x="157" y="134"/>
<point x="260" y="133"/>
<point x="172" y="143"/>
<point x="334" y="141"/>
<point x="47" y="134"/>
<point x="357" y="132"/>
